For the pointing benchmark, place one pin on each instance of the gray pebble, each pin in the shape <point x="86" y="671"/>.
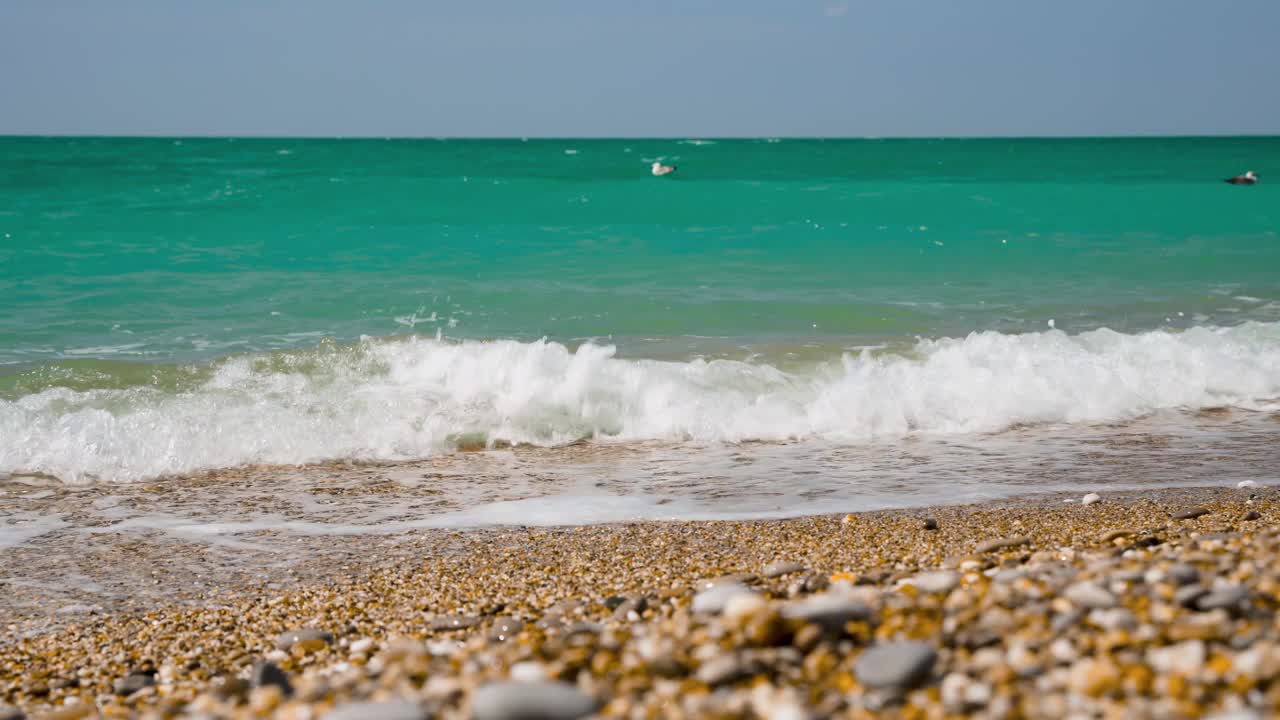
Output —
<point x="930" y="524"/>
<point x="1227" y="597"/>
<point x="938" y="581"/>
<point x="268" y="673"/>
<point x="389" y="710"/>
<point x="286" y="640"/>
<point x="723" y="670"/>
<point x="531" y="701"/>
<point x="11" y="713"/>
<point x="902" y="665"/>
<point x="1187" y="595"/>
<point x="713" y="599"/>
<point x="1252" y="515"/>
<point x="829" y="611"/>
<point x="1182" y="574"/>
<point x="1191" y="514"/>
<point x="782" y="567"/>
<point x="734" y="579"/>
<point x="1089" y="595"/>
<point x="133" y="682"/>
<point x="505" y="628"/>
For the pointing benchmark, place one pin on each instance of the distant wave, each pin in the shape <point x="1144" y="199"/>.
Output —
<point x="415" y="397"/>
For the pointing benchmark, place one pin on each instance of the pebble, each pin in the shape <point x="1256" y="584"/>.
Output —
<point x="268" y="673"/>
<point x="1248" y="484"/>
<point x="829" y="611"/>
<point x="11" y="713"/>
<point x="133" y="682"/>
<point x="1001" y="544"/>
<point x="505" y="628"/>
<point x="1227" y="598"/>
<point x="734" y="579"/>
<point x="898" y="665"/>
<point x="308" y="638"/>
<point x="531" y="701"/>
<point x="938" y="581"/>
<point x="1252" y="515"/>
<point x="1090" y="595"/>
<point x="778" y="569"/>
<point x="930" y="523"/>
<point x="1188" y="595"/>
<point x="1090" y="499"/>
<point x="388" y="710"/>
<point x="712" y="601"/>
<point x="722" y="670"/>
<point x="1191" y="514"/>
<point x="1182" y="574"/>
<point x="1185" y="657"/>
<point x="445" y="623"/>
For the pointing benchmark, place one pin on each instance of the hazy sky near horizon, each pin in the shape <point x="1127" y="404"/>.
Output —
<point x="684" y="68"/>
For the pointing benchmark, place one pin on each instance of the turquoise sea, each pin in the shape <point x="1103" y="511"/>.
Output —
<point x="170" y="306"/>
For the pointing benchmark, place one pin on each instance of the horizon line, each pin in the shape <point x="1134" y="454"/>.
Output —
<point x="528" y="138"/>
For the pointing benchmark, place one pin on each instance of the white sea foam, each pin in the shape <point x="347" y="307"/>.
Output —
<point x="415" y="397"/>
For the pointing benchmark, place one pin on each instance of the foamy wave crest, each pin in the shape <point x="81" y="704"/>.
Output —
<point x="412" y="398"/>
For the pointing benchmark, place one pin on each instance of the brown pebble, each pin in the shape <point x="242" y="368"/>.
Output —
<point x="1252" y="515"/>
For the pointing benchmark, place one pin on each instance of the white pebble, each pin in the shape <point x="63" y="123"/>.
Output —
<point x="1090" y="499"/>
<point x="1248" y="484"/>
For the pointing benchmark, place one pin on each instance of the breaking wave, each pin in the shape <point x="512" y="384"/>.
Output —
<point x="415" y="397"/>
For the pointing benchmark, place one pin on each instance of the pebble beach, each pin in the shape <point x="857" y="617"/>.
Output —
<point x="1150" y="604"/>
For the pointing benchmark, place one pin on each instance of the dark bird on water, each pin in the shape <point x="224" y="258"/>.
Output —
<point x="1249" y="178"/>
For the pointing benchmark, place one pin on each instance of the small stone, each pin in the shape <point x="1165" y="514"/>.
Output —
<point x="361" y="646"/>
<point x="828" y="611"/>
<point x="306" y="637"/>
<point x="939" y="581"/>
<point x="780" y="568"/>
<point x="1118" y="618"/>
<point x="734" y="579"/>
<point x="1188" y="595"/>
<point x="11" y="713"/>
<point x="531" y="701"/>
<point x="742" y="607"/>
<point x="505" y="628"/>
<point x="133" y="682"/>
<point x="1001" y="544"/>
<point x="898" y="665"/>
<point x="268" y="673"/>
<point x="1252" y="515"/>
<point x="388" y="710"/>
<point x="1227" y="598"/>
<point x="1191" y="514"/>
<point x="930" y="523"/>
<point x="815" y="582"/>
<point x="1089" y="595"/>
<point x="713" y="600"/>
<point x="1093" y="677"/>
<point x="1185" y="657"/>
<point x="1090" y="499"/>
<point x="1248" y="484"/>
<point x="446" y="623"/>
<point x="1182" y="574"/>
<point x="723" y="670"/>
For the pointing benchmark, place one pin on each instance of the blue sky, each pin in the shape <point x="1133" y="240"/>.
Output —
<point x="684" y="68"/>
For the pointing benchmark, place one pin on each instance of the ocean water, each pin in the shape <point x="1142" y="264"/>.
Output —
<point x="170" y="307"/>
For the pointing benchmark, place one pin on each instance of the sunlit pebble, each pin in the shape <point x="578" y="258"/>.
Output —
<point x="1051" y="324"/>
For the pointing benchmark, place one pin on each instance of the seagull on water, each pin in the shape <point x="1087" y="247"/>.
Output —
<point x="1249" y="178"/>
<point x="659" y="169"/>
